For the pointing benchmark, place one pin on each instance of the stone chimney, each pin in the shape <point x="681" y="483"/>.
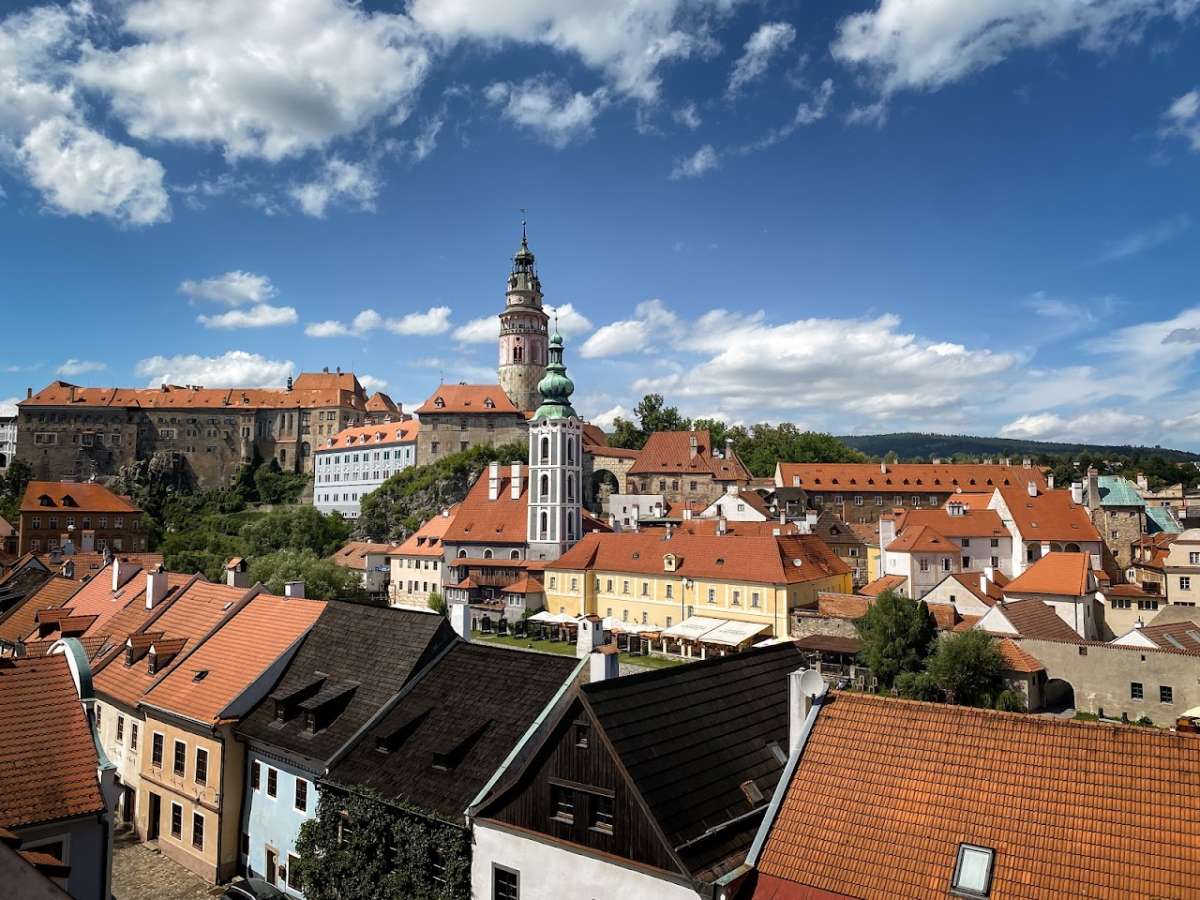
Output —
<point x="293" y="589"/>
<point x="804" y="687"/>
<point x="68" y="569"/>
<point x="1093" y="489"/>
<point x="28" y="393"/>
<point x="722" y="525"/>
<point x="590" y="636"/>
<point x="460" y="619"/>
<point x="236" y="574"/>
<point x="493" y="481"/>
<point x="1050" y="480"/>
<point x="602" y="663"/>
<point x="516" y="480"/>
<point x="882" y="468"/>
<point x="1031" y="488"/>
<point x="729" y="448"/>
<point x="1143" y="483"/>
<point x="1077" y="492"/>
<point x="156" y="586"/>
<point x="1026" y="463"/>
<point x="693" y="446"/>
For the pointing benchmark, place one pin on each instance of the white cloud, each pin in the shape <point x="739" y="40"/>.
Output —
<point x="257" y="79"/>
<point x="261" y="316"/>
<point x="699" y="163"/>
<point x="571" y="322"/>
<point x="366" y="321"/>
<point x="8" y="406"/>
<point x="767" y="42"/>
<point x="339" y="182"/>
<point x="371" y="384"/>
<point x="1147" y="239"/>
<point x="81" y="172"/>
<point x="809" y="112"/>
<point x="237" y="368"/>
<point x="426" y="141"/>
<point x="607" y="420"/>
<point x="927" y="44"/>
<point x="630" y="335"/>
<point x="435" y="320"/>
<point x="1159" y="343"/>
<point x="73" y="367"/>
<point x="628" y="41"/>
<point x="1182" y="119"/>
<point x="548" y="108"/>
<point x="484" y="330"/>
<point x="1106" y="426"/>
<point x="688" y="115"/>
<point x="233" y="288"/>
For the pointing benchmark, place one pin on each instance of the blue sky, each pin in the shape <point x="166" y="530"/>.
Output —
<point x="866" y="217"/>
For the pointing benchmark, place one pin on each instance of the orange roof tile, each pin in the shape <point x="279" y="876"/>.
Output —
<point x="468" y="398"/>
<point x="48" y="758"/>
<point x="1016" y="659"/>
<point x="310" y="390"/>
<point x="971" y="582"/>
<point x="354" y="554"/>
<point x="759" y="560"/>
<point x="842" y="606"/>
<point x="905" y="478"/>
<point x="21" y="619"/>
<point x="886" y="790"/>
<point x="384" y="434"/>
<point x="427" y="540"/>
<point x="972" y="522"/>
<point x="1050" y="516"/>
<point x="1174" y="635"/>
<point x="669" y="452"/>
<point x="1035" y="619"/>
<point x="499" y="521"/>
<point x="73" y="497"/>
<point x="1054" y="573"/>
<point x="233" y="657"/>
<point x="759" y="529"/>
<point x="382" y="403"/>
<point x="921" y="539"/>
<point x="881" y="584"/>
<point x="86" y="565"/>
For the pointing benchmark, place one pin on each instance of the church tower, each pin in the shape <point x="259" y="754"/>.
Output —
<point x="555" y="464"/>
<point x="523" y="331"/>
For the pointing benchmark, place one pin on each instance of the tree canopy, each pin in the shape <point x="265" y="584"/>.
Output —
<point x="12" y="489"/>
<point x="967" y="668"/>
<point x="897" y="634"/>
<point x="323" y="579"/>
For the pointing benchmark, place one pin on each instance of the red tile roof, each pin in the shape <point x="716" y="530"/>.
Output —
<point x="972" y="522"/>
<point x="21" y="619"/>
<point x="921" y="539"/>
<point x="499" y="521"/>
<point x="1035" y="619"/>
<point x="1016" y="659"/>
<point x="48" y="758"/>
<point x="427" y="540"/>
<point x="73" y="497"/>
<point x="381" y="403"/>
<point x="904" y="478"/>
<point x="1055" y="573"/>
<point x="1174" y="636"/>
<point x="87" y="565"/>
<point x="842" y="606"/>
<point x="310" y="390"/>
<point x="760" y="560"/>
<point x="670" y="453"/>
<point x="234" y="657"/>
<point x="468" y="398"/>
<point x="971" y="582"/>
<point x="384" y="434"/>
<point x="354" y="554"/>
<point x="1050" y="516"/>
<point x="881" y="584"/>
<point x="886" y="790"/>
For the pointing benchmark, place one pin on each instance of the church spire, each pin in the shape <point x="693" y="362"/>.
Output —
<point x="555" y="387"/>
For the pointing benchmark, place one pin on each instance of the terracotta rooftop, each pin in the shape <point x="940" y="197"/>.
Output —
<point x="881" y="584"/>
<point x="904" y="478"/>
<point x="384" y="434"/>
<point x="48" y="758"/>
<point x="842" y="606"/>
<point x="1055" y="573"/>
<point x="982" y="523"/>
<point x="427" y="540"/>
<point x="73" y="497"/>
<point x="1033" y="619"/>
<point x="232" y="659"/>
<point x="467" y="398"/>
<point x="921" y="539"/>
<point x="1016" y="659"/>
<point x="753" y="529"/>
<point x="18" y="621"/>
<point x="886" y="791"/>
<point x="759" y="560"/>
<point x="1173" y="636"/>
<point x="1050" y="516"/>
<point x="86" y="565"/>
<point x="499" y="521"/>
<point x="670" y="453"/>
<point x="971" y="581"/>
<point x="382" y="403"/>
<point x="310" y="390"/>
<point x="354" y="554"/>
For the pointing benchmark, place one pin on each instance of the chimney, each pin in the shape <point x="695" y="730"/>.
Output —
<point x="804" y="687"/>
<point x="294" y="589"/>
<point x="887" y="531"/>
<point x="493" y="481"/>
<point x="729" y="448"/>
<point x="68" y="569"/>
<point x="289" y="385"/>
<point x="1026" y="463"/>
<point x="1050" y="480"/>
<point x="235" y="573"/>
<point x="122" y="571"/>
<point x="722" y="525"/>
<point x="156" y="586"/>
<point x="28" y="393"/>
<point x="687" y="514"/>
<point x="1093" y="496"/>
<point x="1077" y="492"/>
<point x="882" y="468"/>
<point x="692" y="445"/>
<point x="516" y="480"/>
<point x="460" y="619"/>
<point x="602" y="663"/>
<point x="590" y="636"/>
<point x="1031" y="488"/>
<point x="55" y="556"/>
<point x="445" y="512"/>
<point x="1143" y="483"/>
<point x="936" y="461"/>
<point x="71" y="393"/>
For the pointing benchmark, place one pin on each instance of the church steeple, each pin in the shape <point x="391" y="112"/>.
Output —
<point x="555" y="387"/>
<point x="523" y="328"/>
<point x="555" y="463"/>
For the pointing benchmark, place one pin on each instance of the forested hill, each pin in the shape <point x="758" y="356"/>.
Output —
<point x="910" y="445"/>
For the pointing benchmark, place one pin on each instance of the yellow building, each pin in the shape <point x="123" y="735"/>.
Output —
<point x="658" y="580"/>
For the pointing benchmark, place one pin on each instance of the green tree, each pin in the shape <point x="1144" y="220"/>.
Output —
<point x="300" y="527"/>
<point x="764" y="445"/>
<point x="968" y="668"/>
<point x="1010" y="701"/>
<point x="652" y="414"/>
<point x="896" y="635"/>
<point x="323" y="579"/>
<point x="12" y="488"/>
<point x="276" y="486"/>
<point x="437" y="602"/>
<point x="244" y="483"/>
<point x="918" y="686"/>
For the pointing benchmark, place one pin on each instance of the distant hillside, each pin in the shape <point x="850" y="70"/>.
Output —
<point x="908" y="445"/>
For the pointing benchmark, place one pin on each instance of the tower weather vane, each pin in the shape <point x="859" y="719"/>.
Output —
<point x="523" y="217"/>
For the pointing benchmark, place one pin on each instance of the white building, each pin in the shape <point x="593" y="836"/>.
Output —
<point x="358" y="460"/>
<point x="626" y="510"/>
<point x="8" y="440"/>
<point x="555" y="464"/>
<point x="737" y="505"/>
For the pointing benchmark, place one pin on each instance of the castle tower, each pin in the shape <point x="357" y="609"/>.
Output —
<point x="555" y="464"/>
<point x="523" y="331"/>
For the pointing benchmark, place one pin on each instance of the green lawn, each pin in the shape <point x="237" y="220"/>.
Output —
<point x="568" y="649"/>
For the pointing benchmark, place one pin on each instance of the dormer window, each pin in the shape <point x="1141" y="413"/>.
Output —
<point x="973" y="871"/>
<point x="439" y="402"/>
<point x="489" y="404"/>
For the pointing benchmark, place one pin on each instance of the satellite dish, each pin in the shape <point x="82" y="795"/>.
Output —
<point x="811" y="683"/>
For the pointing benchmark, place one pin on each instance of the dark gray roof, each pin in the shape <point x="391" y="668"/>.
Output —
<point x="450" y="731"/>
<point x="352" y="662"/>
<point x="691" y="736"/>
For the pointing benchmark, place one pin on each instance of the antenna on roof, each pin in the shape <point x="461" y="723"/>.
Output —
<point x="523" y="212"/>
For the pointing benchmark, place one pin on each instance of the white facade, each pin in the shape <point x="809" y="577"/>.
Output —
<point x="8" y="440"/>
<point x="555" y="486"/>
<point x="625" y="510"/>
<point x="1028" y="549"/>
<point x="549" y="871"/>
<point x="344" y="475"/>
<point x="733" y="507"/>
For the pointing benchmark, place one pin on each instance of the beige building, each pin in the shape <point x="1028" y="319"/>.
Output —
<point x="459" y="416"/>
<point x="686" y="469"/>
<point x="416" y="565"/>
<point x="1181" y="569"/>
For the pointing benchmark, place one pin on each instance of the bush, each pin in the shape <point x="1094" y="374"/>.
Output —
<point x="323" y="579"/>
<point x="918" y="686"/>
<point x="1011" y="701"/>
<point x="896" y="635"/>
<point x="437" y="602"/>
<point x="968" y="668"/>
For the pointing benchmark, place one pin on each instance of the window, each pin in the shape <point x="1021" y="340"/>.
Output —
<point x="506" y="884"/>
<point x="737" y="598"/>
<point x="201" y="766"/>
<point x="973" y="871"/>
<point x="180" y="758"/>
<point x="966" y="542"/>
<point x="625" y="588"/>
<point x="120" y="729"/>
<point x="293" y="877"/>
<point x="754" y="599"/>
<point x="1135" y="690"/>
<point x="553" y="583"/>
<point x="916" y="501"/>
<point x="1194" y="558"/>
<point x="133" y="735"/>
<point x="198" y="831"/>
<point x="582" y="734"/>
<point x="966" y="563"/>
<point x="879" y="500"/>
<point x="669" y="590"/>
<point x="562" y="804"/>
<point x="1166" y="694"/>
<point x="272" y="781"/>
<point x="923" y="565"/>
<point x="645" y="589"/>
<point x="156" y="751"/>
<point x="995" y="542"/>
<point x="255" y="776"/>
<point x="712" y="595"/>
<point x="858" y="500"/>
<point x="301" y="795"/>
<point x="602" y="814"/>
<point x="1185" y="583"/>
<point x="176" y="821"/>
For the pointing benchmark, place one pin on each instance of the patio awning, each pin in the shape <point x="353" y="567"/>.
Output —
<point x="734" y="633"/>
<point x="692" y="628"/>
<point x="550" y="618"/>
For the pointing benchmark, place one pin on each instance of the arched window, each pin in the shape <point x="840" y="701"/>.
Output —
<point x="462" y="554"/>
<point x="517" y="352"/>
<point x="570" y="528"/>
<point x="570" y="450"/>
<point x="1072" y="548"/>
<point x="544" y="487"/>
<point x="543" y="526"/>
<point x="514" y="554"/>
<point x="545" y="452"/>
<point x="487" y="554"/>
<point x="570" y="488"/>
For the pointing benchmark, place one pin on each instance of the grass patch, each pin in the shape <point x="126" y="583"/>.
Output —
<point x="568" y="649"/>
<point x="651" y="662"/>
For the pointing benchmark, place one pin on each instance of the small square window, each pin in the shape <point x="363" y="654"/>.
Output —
<point x="272" y="781"/>
<point x="1135" y="690"/>
<point x="1166" y="694"/>
<point x="562" y="802"/>
<point x="973" y="871"/>
<point x="602" y="814"/>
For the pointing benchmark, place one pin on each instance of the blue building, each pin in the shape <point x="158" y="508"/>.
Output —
<point x="353" y="661"/>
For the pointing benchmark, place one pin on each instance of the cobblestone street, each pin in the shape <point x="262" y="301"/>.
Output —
<point x="142" y="873"/>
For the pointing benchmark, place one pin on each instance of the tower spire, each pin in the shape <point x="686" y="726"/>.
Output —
<point x="555" y="387"/>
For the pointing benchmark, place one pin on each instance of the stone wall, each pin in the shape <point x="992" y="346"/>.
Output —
<point x="443" y="434"/>
<point x="805" y="623"/>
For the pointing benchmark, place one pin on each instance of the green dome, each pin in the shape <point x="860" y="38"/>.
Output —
<point x="555" y="387"/>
